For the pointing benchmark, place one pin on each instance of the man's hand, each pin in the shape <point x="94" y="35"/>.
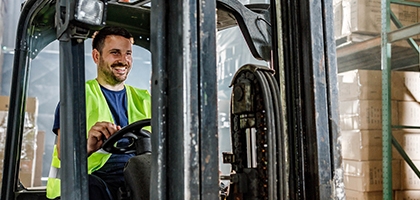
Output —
<point x="97" y="133"/>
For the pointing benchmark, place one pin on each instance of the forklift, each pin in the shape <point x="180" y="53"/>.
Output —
<point x="283" y="116"/>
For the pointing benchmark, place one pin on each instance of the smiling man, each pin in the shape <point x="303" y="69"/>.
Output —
<point x="110" y="105"/>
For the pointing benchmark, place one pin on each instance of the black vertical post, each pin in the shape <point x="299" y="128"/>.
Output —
<point x="17" y="104"/>
<point x="311" y="93"/>
<point x="16" y="115"/>
<point x="184" y="122"/>
<point x="158" y="48"/>
<point x="209" y="144"/>
<point x="292" y="59"/>
<point x="277" y="63"/>
<point x="73" y="154"/>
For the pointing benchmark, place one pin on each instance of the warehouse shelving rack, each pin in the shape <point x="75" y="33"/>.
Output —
<point x="364" y="55"/>
<point x="387" y="38"/>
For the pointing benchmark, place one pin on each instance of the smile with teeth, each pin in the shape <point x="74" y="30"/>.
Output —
<point x="120" y="70"/>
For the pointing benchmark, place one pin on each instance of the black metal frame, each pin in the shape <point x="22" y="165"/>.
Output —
<point x="184" y="100"/>
<point x="73" y="119"/>
<point x="312" y="98"/>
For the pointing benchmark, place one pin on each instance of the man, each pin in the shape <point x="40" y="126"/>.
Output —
<point x="110" y="105"/>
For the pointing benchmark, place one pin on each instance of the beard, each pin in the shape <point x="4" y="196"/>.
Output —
<point x="111" y="74"/>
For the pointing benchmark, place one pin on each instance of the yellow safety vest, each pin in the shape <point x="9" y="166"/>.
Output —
<point x="138" y="107"/>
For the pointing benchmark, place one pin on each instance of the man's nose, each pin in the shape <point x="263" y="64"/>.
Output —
<point x="122" y="62"/>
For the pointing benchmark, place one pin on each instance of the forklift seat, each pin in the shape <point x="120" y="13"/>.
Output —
<point x="137" y="174"/>
<point x="137" y="170"/>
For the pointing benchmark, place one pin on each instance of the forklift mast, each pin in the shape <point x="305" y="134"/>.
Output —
<point x="283" y="117"/>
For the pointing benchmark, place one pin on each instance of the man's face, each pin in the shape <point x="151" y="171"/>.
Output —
<point x="114" y="63"/>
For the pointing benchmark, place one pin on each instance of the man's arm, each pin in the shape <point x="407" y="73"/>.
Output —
<point x="96" y="136"/>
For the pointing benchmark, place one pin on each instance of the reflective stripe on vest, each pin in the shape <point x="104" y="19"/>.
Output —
<point x="138" y="107"/>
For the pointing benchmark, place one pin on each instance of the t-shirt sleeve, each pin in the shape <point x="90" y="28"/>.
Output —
<point x="56" y="124"/>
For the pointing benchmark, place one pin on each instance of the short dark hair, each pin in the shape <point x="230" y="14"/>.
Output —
<point x="99" y="36"/>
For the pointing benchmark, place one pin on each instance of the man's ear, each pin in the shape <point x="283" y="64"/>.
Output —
<point x="95" y="56"/>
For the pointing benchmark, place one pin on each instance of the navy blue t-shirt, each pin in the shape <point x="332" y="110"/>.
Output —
<point x="117" y="103"/>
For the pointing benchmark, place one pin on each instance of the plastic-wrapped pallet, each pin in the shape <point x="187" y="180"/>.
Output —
<point x="28" y="151"/>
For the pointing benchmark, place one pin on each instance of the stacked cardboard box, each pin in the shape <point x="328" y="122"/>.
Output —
<point x="360" y="95"/>
<point x="29" y="140"/>
<point x="360" y="20"/>
<point x="409" y="109"/>
<point x="361" y="137"/>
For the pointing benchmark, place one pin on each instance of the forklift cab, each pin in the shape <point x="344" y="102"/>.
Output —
<point x="72" y="22"/>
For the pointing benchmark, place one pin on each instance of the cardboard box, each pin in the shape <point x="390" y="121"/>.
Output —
<point x="38" y="159"/>
<point x="406" y="15"/>
<point x="367" y="85"/>
<point x="364" y="114"/>
<point x="364" y="16"/>
<point x="408" y="85"/>
<point x="409" y="180"/>
<point x="366" y="176"/>
<point x="407" y="194"/>
<point x="410" y="142"/>
<point x="31" y="107"/>
<point x="338" y="15"/>
<point x="409" y="113"/>
<point x="358" y="195"/>
<point x="360" y="85"/>
<point x="365" y="145"/>
<point x="342" y="25"/>
<point x="26" y="172"/>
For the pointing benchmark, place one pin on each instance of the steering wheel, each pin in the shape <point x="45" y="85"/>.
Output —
<point x="134" y="131"/>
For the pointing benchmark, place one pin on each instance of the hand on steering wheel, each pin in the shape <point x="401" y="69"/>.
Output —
<point x="134" y="131"/>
